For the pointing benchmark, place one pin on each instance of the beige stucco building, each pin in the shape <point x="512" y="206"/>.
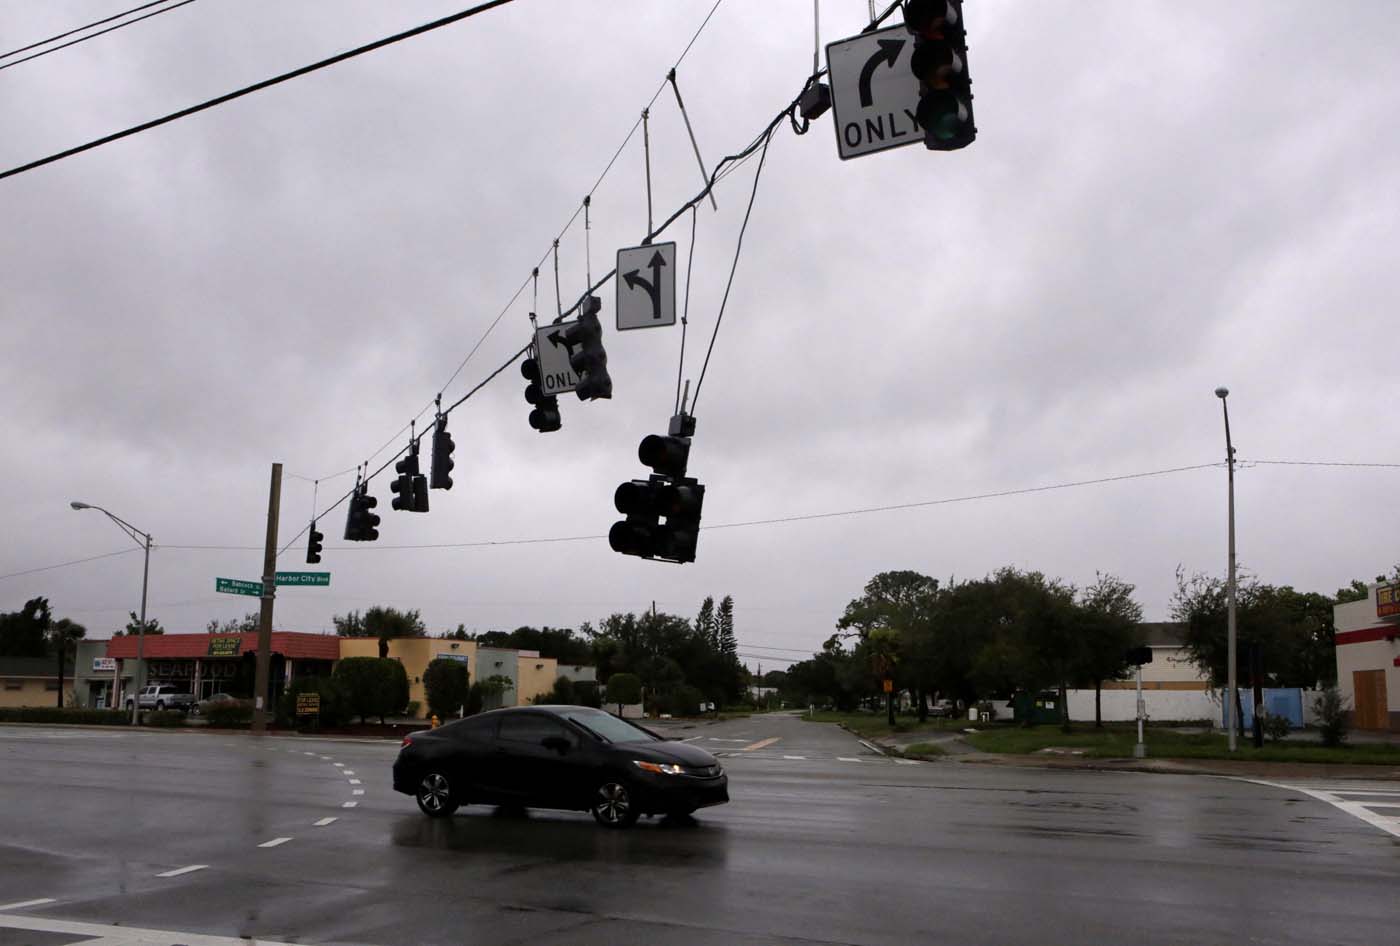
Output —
<point x="530" y="675"/>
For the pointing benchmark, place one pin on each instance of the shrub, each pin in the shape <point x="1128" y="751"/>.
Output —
<point x="448" y="684"/>
<point x="413" y="708"/>
<point x="1276" y="727"/>
<point x="333" y="704"/>
<point x="230" y="715"/>
<point x="373" y="686"/>
<point x="1331" y="708"/>
<point x="165" y="718"/>
<point x="586" y="694"/>
<point x="476" y="699"/>
<point x="624" y="688"/>
<point x="684" y="700"/>
<point x="52" y="714"/>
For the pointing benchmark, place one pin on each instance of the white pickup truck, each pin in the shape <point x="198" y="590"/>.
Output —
<point x="162" y="696"/>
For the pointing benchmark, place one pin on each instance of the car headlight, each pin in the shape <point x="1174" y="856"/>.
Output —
<point x="660" y="768"/>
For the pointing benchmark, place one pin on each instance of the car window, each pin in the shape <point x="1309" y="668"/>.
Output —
<point x="530" y="727"/>
<point x="607" y="726"/>
<point x="482" y="727"/>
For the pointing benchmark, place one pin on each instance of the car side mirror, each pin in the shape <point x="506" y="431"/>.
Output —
<point x="558" y="743"/>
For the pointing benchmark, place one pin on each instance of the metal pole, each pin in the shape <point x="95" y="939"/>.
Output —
<point x="261" y="684"/>
<point x="1232" y="694"/>
<point x="1139" y="750"/>
<point x="138" y="677"/>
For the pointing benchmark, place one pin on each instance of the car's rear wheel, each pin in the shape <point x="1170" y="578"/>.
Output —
<point x="435" y="796"/>
<point x="613" y="806"/>
<point x="160" y="705"/>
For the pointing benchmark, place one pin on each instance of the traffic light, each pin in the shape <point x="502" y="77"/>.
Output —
<point x="545" y="417"/>
<point x="939" y="62"/>
<point x="410" y="487"/>
<point x="663" y="510"/>
<point x="588" y="358"/>
<point x="360" y="523"/>
<point x="442" y="455"/>
<point x="313" y="545"/>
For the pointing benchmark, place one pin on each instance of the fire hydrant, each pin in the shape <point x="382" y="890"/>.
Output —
<point x="436" y="722"/>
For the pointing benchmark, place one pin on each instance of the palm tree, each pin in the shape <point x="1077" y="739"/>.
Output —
<point x="63" y="639"/>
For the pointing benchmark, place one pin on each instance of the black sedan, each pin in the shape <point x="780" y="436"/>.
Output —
<point x="568" y="757"/>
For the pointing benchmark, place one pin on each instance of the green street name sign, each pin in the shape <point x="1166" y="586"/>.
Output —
<point x="234" y="586"/>
<point x="304" y="578"/>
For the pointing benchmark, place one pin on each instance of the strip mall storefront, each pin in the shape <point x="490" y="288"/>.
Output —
<point x="1368" y="657"/>
<point x="203" y="664"/>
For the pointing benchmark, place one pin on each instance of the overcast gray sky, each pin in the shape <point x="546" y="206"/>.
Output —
<point x="1162" y="198"/>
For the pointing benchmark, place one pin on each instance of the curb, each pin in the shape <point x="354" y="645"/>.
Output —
<point x="1167" y="766"/>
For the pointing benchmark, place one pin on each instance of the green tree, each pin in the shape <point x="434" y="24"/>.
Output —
<point x="63" y="637"/>
<point x="624" y="688"/>
<point x="133" y="626"/>
<point x="705" y="625"/>
<point x="373" y="686"/>
<point x="724" y="628"/>
<point x="894" y="609"/>
<point x="1107" y="618"/>
<point x="249" y="622"/>
<point x="448" y="684"/>
<point x="1359" y="590"/>
<point x="381" y="622"/>
<point x="22" y="632"/>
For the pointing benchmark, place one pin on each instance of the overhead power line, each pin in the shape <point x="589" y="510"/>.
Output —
<point x="76" y="561"/>
<point x="258" y="86"/>
<point x="84" y="39"/>
<point x="79" y="29"/>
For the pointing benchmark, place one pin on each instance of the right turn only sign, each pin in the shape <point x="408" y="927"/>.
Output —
<point x="874" y="95"/>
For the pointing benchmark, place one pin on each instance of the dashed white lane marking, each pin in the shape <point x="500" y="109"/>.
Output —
<point x="323" y="822"/>
<point x="846" y="758"/>
<point x="26" y="903"/>
<point x="325" y="758"/>
<point x="306" y="753"/>
<point x="717" y="739"/>
<point x="1358" y="791"/>
<point x="1357" y="809"/>
<point x="761" y="744"/>
<point x="274" y="842"/>
<point x="349" y="804"/>
<point x="906" y="761"/>
<point x="346" y="772"/>
<point x="357" y="791"/>
<point x="339" y="765"/>
<point x="797" y="758"/>
<point x="354" y="781"/>
<point x="183" y="870"/>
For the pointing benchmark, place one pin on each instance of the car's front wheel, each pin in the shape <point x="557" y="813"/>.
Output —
<point x="435" y="796"/>
<point x="613" y="806"/>
<point x="160" y="705"/>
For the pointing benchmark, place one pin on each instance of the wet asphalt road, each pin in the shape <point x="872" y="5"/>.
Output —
<point x="824" y="842"/>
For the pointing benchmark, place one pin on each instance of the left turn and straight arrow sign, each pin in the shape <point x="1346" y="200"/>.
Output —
<point x="646" y="286"/>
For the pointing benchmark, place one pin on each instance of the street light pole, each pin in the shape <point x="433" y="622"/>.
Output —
<point x="142" y="539"/>
<point x="1232" y="691"/>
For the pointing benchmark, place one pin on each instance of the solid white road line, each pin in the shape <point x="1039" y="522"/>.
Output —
<point x="1356" y="809"/>
<point x="349" y="804"/>
<point x="183" y="870"/>
<point x="1359" y="791"/>
<point x="274" y="842"/>
<point x="357" y="791"/>
<point x="906" y="761"/>
<point x="874" y="749"/>
<point x="692" y="738"/>
<point x="324" y="821"/>
<point x="26" y="903"/>
<point x="127" y="935"/>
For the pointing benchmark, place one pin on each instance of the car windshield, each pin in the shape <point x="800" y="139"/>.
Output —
<point x="608" y="727"/>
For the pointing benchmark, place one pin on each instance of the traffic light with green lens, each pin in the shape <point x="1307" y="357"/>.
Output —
<point x="939" y="62"/>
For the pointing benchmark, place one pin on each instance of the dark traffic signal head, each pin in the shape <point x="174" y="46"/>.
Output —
<point x="442" y="455"/>
<point x="939" y="62"/>
<point x="588" y="358"/>
<point x="639" y="501"/>
<point x="681" y="504"/>
<point x="402" y="487"/>
<point x="361" y="525"/>
<point x="545" y="417"/>
<point x="666" y="455"/>
<point x="313" y="545"/>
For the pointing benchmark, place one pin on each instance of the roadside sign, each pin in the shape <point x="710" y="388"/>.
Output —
<point x="308" y="704"/>
<point x="646" y="286"/>
<point x="556" y="377"/>
<point x="889" y="685"/>
<point x="234" y="586"/>
<point x="304" y="578"/>
<point x="874" y="95"/>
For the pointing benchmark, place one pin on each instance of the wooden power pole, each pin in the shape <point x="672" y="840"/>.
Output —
<point x="262" y="685"/>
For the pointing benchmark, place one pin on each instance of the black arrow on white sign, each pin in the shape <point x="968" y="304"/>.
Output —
<point x="888" y="53"/>
<point x="557" y="340"/>
<point x="653" y="286"/>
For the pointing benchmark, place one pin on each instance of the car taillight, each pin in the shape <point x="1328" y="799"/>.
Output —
<point x="407" y="741"/>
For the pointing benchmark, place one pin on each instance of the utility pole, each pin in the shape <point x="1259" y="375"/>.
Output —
<point x="261" y="685"/>
<point x="1140" y="750"/>
<point x="1232" y="694"/>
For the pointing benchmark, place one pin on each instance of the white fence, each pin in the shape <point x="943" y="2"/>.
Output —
<point x="1163" y="706"/>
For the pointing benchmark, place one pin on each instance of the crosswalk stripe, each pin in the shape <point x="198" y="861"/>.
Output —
<point x="1357" y="809"/>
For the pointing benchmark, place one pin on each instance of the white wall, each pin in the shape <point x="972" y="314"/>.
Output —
<point x="1162" y="705"/>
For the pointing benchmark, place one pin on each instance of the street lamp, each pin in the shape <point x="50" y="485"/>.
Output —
<point x="137" y="536"/>
<point x="1232" y="693"/>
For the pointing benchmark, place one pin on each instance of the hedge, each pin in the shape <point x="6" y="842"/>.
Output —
<point x="373" y="686"/>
